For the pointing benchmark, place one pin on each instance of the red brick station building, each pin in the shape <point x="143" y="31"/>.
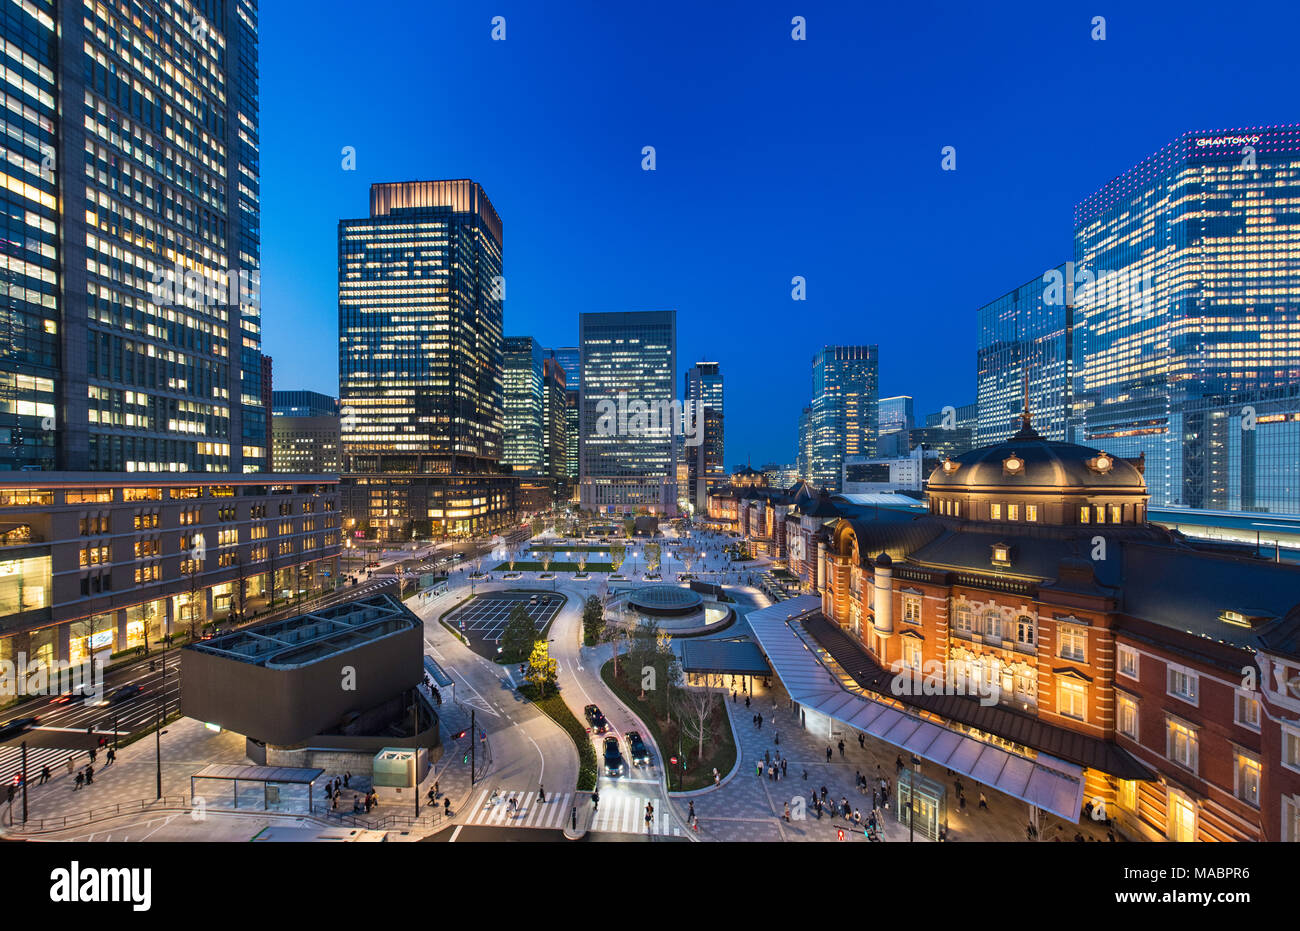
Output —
<point x="1163" y="673"/>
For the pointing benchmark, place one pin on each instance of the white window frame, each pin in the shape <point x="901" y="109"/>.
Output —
<point x="909" y="602"/>
<point x="1236" y="709"/>
<point x="1181" y="800"/>
<point x="1290" y="736"/>
<point x="1238" y="756"/>
<point x="1290" y="827"/>
<point x="1172" y="669"/>
<point x="1074" y="688"/>
<point x="969" y="617"/>
<point x="1071" y="632"/>
<point x="1026" y="622"/>
<point x="1128" y="652"/>
<point x="1174" y="725"/>
<point x="1125" y="702"/>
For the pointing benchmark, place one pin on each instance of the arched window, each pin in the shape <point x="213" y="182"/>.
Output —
<point x="963" y="619"/>
<point x="1025" y="630"/>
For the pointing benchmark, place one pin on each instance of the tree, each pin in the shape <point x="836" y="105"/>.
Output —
<point x="671" y="674"/>
<point x="643" y="648"/>
<point x="542" y="669"/>
<point x="629" y="527"/>
<point x="614" y="633"/>
<point x="652" y="552"/>
<point x="617" y="553"/>
<point x="695" y="708"/>
<point x="518" y="637"/>
<point x="593" y="617"/>
<point x="582" y="562"/>
<point x="547" y="556"/>
<point x="512" y="553"/>
<point x="537" y="525"/>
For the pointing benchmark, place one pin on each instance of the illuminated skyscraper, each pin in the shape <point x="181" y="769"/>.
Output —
<point x="132" y="330"/>
<point x="523" y="440"/>
<point x="844" y="409"/>
<point x="629" y="370"/>
<point x="420" y="362"/>
<point x="1187" y="290"/>
<point x="1027" y="331"/>
<point x="704" y="460"/>
<point x="555" y="421"/>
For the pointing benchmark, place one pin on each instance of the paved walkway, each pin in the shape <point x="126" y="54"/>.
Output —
<point x="750" y="807"/>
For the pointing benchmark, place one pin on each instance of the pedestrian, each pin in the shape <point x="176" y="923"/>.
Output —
<point x="767" y="756"/>
<point x="862" y="740"/>
<point x="432" y="796"/>
<point x="541" y="794"/>
<point x="841" y="746"/>
<point x="437" y="790"/>
<point x="786" y="816"/>
<point x="783" y="762"/>
<point x="81" y="778"/>
<point x="45" y="774"/>
<point x="112" y="755"/>
<point x="898" y="763"/>
<point x="747" y="701"/>
<point x="758" y="768"/>
<point x="595" y="802"/>
<point x="690" y="815"/>
<point x="347" y="777"/>
<point x="961" y="801"/>
<point x="717" y="777"/>
<point x="823" y="793"/>
<point x="829" y="753"/>
<point x="446" y="808"/>
<point x="760" y="722"/>
<point x="984" y="803"/>
<point x="777" y="741"/>
<point x="875" y="799"/>
<point x="733" y="696"/>
<point x="92" y="754"/>
<point x="90" y="775"/>
<point x="71" y="766"/>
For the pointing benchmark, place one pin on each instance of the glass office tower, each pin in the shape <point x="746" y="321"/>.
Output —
<point x="420" y="362"/>
<point x="132" y="330"/>
<point x="844" y="409"/>
<point x="629" y="367"/>
<point x="569" y="359"/>
<point x="1028" y="330"/>
<point x="704" y="462"/>
<point x="1191" y="257"/>
<point x="555" y="423"/>
<point x="524" y="441"/>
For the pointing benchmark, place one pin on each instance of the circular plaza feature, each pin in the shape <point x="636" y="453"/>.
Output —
<point x="664" y="601"/>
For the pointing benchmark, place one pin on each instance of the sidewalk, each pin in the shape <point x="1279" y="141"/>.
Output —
<point x="749" y="807"/>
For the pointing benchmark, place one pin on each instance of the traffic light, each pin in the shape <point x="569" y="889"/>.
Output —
<point x="459" y="734"/>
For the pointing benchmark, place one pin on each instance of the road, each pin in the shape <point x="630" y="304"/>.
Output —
<point x="528" y="749"/>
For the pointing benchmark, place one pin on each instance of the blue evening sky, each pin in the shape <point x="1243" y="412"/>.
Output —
<point x="775" y="158"/>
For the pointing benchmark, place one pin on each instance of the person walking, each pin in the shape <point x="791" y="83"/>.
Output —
<point x="862" y="740"/>
<point x="783" y="762"/>
<point x="541" y="794"/>
<point x="984" y="803"/>
<point x="690" y="815"/>
<point x="45" y="774"/>
<point x="81" y="779"/>
<point x="71" y="766"/>
<point x="829" y="753"/>
<point x="786" y="816"/>
<point x="90" y="775"/>
<point x="112" y="755"/>
<point x="841" y="746"/>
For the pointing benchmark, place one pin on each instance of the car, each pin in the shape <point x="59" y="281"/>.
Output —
<point x="69" y="698"/>
<point x="125" y="693"/>
<point x="373" y="564"/>
<point x="613" y="757"/>
<point x="16" y="726"/>
<point x="596" y="719"/>
<point x="637" y="751"/>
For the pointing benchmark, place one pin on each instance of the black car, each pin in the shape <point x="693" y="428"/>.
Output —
<point x="597" y="720"/>
<point x="613" y="758"/>
<point x="69" y="698"/>
<point x="125" y="693"/>
<point x="637" y="750"/>
<point x="15" y="727"/>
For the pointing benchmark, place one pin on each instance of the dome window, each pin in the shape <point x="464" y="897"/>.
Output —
<point x="1013" y="465"/>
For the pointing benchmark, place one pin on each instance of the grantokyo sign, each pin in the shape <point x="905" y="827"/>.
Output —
<point x="621" y="417"/>
<point x="1203" y="141"/>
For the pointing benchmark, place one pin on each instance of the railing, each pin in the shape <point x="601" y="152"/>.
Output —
<point x="40" y="825"/>
<point x="388" y="821"/>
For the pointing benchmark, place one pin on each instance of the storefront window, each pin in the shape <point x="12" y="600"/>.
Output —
<point x="24" y="584"/>
<point x="91" y="636"/>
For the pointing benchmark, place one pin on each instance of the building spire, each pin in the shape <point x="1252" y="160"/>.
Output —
<point x="1027" y="431"/>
